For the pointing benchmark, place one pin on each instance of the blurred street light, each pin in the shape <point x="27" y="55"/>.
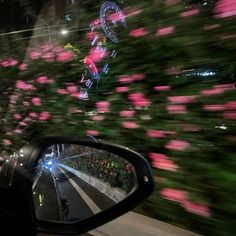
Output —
<point x="64" y="32"/>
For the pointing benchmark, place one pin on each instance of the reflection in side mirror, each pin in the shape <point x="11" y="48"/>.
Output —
<point x="74" y="182"/>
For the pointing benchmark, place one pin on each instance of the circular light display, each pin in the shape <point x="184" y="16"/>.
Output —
<point x="111" y="17"/>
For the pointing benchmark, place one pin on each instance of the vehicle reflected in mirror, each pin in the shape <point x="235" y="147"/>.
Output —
<point x="74" y="182"/>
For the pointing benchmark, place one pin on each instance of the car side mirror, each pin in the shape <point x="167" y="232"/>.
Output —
<point x="76" y="185"/>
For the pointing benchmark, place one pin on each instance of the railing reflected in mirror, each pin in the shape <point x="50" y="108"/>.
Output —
<point x="73" y="182"/>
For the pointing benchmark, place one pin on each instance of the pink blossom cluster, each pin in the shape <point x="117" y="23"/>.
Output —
<point x="176" y="109"/>
<point x="182" y="99"/>
<point x="177" y="145"/>
<point x="140" y="32"/>
<point x="162" y="88"/>
<point x="159" y="133"/>
<point x="92" y="132"/>
<point x="20" y="84"/>
<point x="127" y="79"/>
<point x="117" y="16"/>
<point x="36" y="101"/>
<point x="122" y="89"/>
<point x="230" y="112"/>
<point x="51" y="53"/>
<point x="130" y="125"/>
<point x="162" y="162"/>
<point x="139" y="99"/>
<point x="190" y="13"/>
<point x="8" y="62"/>
<point x="127" y="113"/>
<point x="98" y="118"/>
<point x="181" y="197"/>
<point x="97" y="54"/>
<point x="44" y="80"/>
<point x="103" y="106"/>
<point x="213" y="107"/>
<point x="91" y="35"/>
<point x="225" y="8"/>
<point x="6" y="142"/>
<point x="165" y="31"/>
<point x="175" y="195"/>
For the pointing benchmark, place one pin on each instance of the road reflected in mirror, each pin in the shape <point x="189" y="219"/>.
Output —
<point x="73" y="182"/>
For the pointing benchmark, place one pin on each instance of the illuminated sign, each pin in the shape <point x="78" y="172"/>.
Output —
<point x="103" y="32"/>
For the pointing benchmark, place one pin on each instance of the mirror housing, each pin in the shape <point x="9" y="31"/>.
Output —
<point x="23" y="172"/>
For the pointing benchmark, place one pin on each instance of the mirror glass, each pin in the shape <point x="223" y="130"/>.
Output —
<point x="73" y="182"/>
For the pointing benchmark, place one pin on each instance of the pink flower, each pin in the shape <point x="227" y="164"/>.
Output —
<point x="96" y="22"/>
<point x="159" y="133"/>
<point x="212" y="92"/>
<point x="24" y="86"/>
<point x="130" y="125"/>
<point x="18" y="131"/>
<point x="23" y="66"/>
<point x="125" y="79"/>
<point x="122" y="89"/>
<point x="231" y="105"/>
<point x="75" y="95"/>
<point x="91" y="35"/>
<point x="65" y="56"/>
<point x="62" y="92"/>
<point x="12" y="62"/>
<point x="92" y="132"/>
<point x="35" y="55"/>
<point x="177" y="145"/>
<point x="157" y="156"/>
<point x="196" y="208"/>
<point x="162" y="162"/>
<point x="33" y="115"/>
<point x="138" y="32"/>
<point x="181" y="99"/>
<point x="190" y="13"/>
<point x="135" y="96"/>
<point x="165" y="164"/>
<point x="97" y="54"/>
<point x="6" y="142"/>
<point x="175" y="195"/>
<point x="17" y="116"/>
<point x="98" y="118"/>
<point x="72" y="89"/>
<point x="225" y="8"/>
<point x="162" y="88"/>
<point x="58" y="49"/>
<point x="117" y="16"/>
<point x="139" y="76"/>
<point x="176" y="109"/>
<point x="42" y="80"/>
<point x="103" y="106"/>
<point x="127" y="113"/>
<point x="27" y="119"/>
<point x="231" y="115"/>
<point x="215" y="107"/>
<point x="22" y="123"/>
<point x="36" y="101"/>
<point x="46" y="47"/>
<point x="225" y="87"/>
<point x="48" y="56"/>
<point x="141" y="102"/>
<point x="165" y="31"/>
<point x="44" y="116"/>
